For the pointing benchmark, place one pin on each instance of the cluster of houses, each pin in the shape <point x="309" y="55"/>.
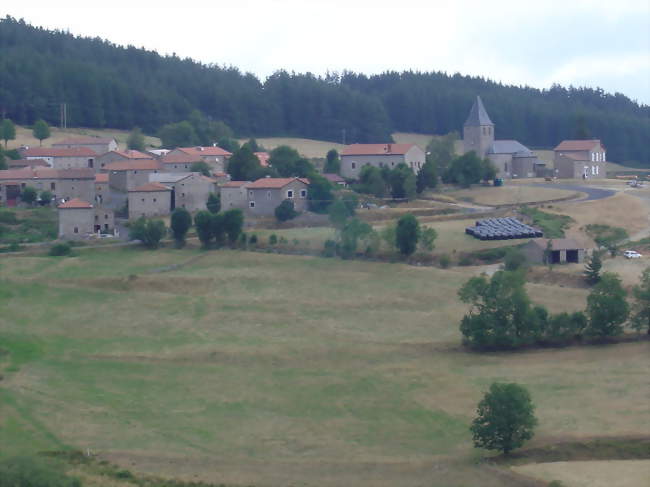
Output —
<point x="90" y="178"/>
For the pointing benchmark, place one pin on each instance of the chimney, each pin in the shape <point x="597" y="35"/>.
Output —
<point x="388" y="147"/>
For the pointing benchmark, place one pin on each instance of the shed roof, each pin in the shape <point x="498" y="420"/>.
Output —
<point x="478" y="115"/>
<point x="235" y="184"/>
<point x="75" y="204"/>
<point x="334" y="178"/>
<point x="46" y="173"/>
<point x="205" y="151"/>
<point x="101" y="177"/>
<point x="179" y="158"/>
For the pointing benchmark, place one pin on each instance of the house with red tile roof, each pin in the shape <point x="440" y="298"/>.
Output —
<point x="128" y="174"/>
<point x="150" y="199"/>
<point x="78" y="219"/>
<point x="355" y="156"/>
<point x="214" y="156"/>
<point x="585" y="159"/>
<point x="120" y="156"/>
<point x="64" y="184"/>
<point x="99" y="145"/>
<point x="61" y="157"/>
<point x="266" y="194"/>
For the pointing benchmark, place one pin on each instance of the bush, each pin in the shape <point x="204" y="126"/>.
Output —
<point x="149" y="232"/>
<point x="514" y="259"/>
<point x="33" y="472"/>
<point x="285" y="211"/>
<point x="252" y="240"/>
<point x="444" y="261"/>
<point x="329" y="249"/>
<point x="60" y="249"/>
<point x="407" y="234"/>
<point x="465" y="260"/>
<point x="273" y="239"/>
<point x="28" y="195"/>
<point x="181" y="221"/>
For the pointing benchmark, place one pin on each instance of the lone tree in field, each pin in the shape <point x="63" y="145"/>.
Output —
<point x="641" y="309"/>
<point x="407" y="234"/>
<point x="607" y="308"/>
<point x="41" y="131"/>
<point x="593" y="267"/>
<point x="181" y="221"/>
<point x="7" y="131"/>
<point x="505" y="418"/>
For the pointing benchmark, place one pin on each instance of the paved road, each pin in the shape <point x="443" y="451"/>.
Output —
<point x="592" y="193"/>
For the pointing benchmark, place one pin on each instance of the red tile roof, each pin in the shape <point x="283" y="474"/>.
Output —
<point x="179" y="158"/>
<point x="263" y="158"/>
<point x="578" y="145"/>
<point x="131" y="154"/>
<point x="133" y="165"/>
<point x="274" y="183"/>
<point x="235" y="184"/>
<point x="150" y="187"/>
<point x="75" y="203"/>
<point x="46" y="173"/>
<point x="58" y="152"/>
<point x="101" y="177"/>
<point x="205" y="151"/>
<point x="376" y="149"/>
<point x="27" y="163"/>
<point x="84" y="141"/>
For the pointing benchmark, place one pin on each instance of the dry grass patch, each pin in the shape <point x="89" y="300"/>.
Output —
<point x="510" y="194"/>
<point x="610" y="473"/>
<point x="306" y="147"/>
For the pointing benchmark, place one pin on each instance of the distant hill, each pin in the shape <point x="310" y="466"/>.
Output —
<point x="105" y="85"/>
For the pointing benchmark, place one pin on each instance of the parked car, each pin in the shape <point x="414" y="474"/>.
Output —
<point x="631" y="254"/>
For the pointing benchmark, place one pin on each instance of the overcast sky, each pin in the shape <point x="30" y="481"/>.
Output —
<point x="584" y="43"/>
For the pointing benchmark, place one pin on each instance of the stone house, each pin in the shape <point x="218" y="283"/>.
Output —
<point x="150" y="199"/>
<point x="584" y="159"/>
<point x="64" y="184"/>
<point x="178" y="162"/>
<point x="126" y="175"/>
<point x="190" y="190"/>
<point x="215" y="157"/>
<point x="511" y="159"/>
<point x="117" y="156"/>
<point x="61" y="157"/>
<point x="266" y="194"/>
<point x="76" y="219"/>
<point x="234" y="195"/>
<point x="99" y="145"/>
<point x="355" y="156"/>
<point x="562" y="251"/>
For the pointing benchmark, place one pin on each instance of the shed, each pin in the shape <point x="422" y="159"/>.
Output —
<point x="562" y="251"/>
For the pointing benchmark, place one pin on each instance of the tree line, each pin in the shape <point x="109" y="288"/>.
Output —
<point x="105" y="85"/>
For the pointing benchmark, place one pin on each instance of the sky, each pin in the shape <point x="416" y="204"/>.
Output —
<point x="537" y="43"/>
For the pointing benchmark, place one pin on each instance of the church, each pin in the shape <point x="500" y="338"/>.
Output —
<point x="512" y="159"/>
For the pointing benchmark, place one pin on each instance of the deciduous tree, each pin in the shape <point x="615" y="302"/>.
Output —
<point x="504" y="418"/>
<point x="332" y="162"/>
<point x="7" y="131"/>
<point x="135" y="140"/>
<point x="285" y="211"/>
<point x="407" y="234"/>
<point x="29" y="195"/>
<point x="181" y="221"/>
<point x="149" y="232"/>
<point x="214" y="203"/>
<point x="641" y="308"/>
<point x="41" y="131"/>
<point x="607" y="307"/>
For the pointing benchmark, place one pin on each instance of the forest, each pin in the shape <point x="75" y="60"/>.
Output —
<point x="106" y="85"/>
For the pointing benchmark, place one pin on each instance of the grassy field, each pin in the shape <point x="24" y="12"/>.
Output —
<point x="617" y="473"/>
<point x="249" y="368"/>
<point x="24" y="136"/>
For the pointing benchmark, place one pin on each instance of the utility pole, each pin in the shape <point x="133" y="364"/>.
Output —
<point x="343" y="136"/>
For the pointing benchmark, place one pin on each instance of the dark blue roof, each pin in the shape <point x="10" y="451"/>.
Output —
<point x="477" y="115"/>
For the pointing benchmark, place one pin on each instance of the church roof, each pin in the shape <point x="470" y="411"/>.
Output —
<point x="478" y="115"/>
<point x="508" y="147"/>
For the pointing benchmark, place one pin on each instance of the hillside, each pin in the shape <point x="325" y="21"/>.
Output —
<point x="105" y="85"/>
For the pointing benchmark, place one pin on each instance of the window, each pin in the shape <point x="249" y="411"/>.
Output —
<point x="593" y="156"/>
<point x="143" y="200"/>
<point x="90" y="163"/>
<point x="76" y="229"/>
<point x="135" y="172"/>
<point x="105" y="217"/>
<point x="290" y="194"/>
<point x="251" y="204"/>
<point x="52" y="186"/>
<point x="154" y="200"/>
<point x="250" y="194"/>
<point x="392" y="163"/>
<point x="597" y="170"/>
<point x="96" y="217"/>
<point x="268" y="195"/>
<point x="593" y="170"/>
<point x="183" y="195"/>
<point x="354" y="165"/>
<point x="303" y="193"/>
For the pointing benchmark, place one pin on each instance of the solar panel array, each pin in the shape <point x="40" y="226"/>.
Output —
<point x="502" y="229"/>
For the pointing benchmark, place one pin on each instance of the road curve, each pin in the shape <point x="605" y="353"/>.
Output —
<point x="592" y="193"/>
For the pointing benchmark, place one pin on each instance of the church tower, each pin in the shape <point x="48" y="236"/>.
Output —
<point x="478" y="131"/>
